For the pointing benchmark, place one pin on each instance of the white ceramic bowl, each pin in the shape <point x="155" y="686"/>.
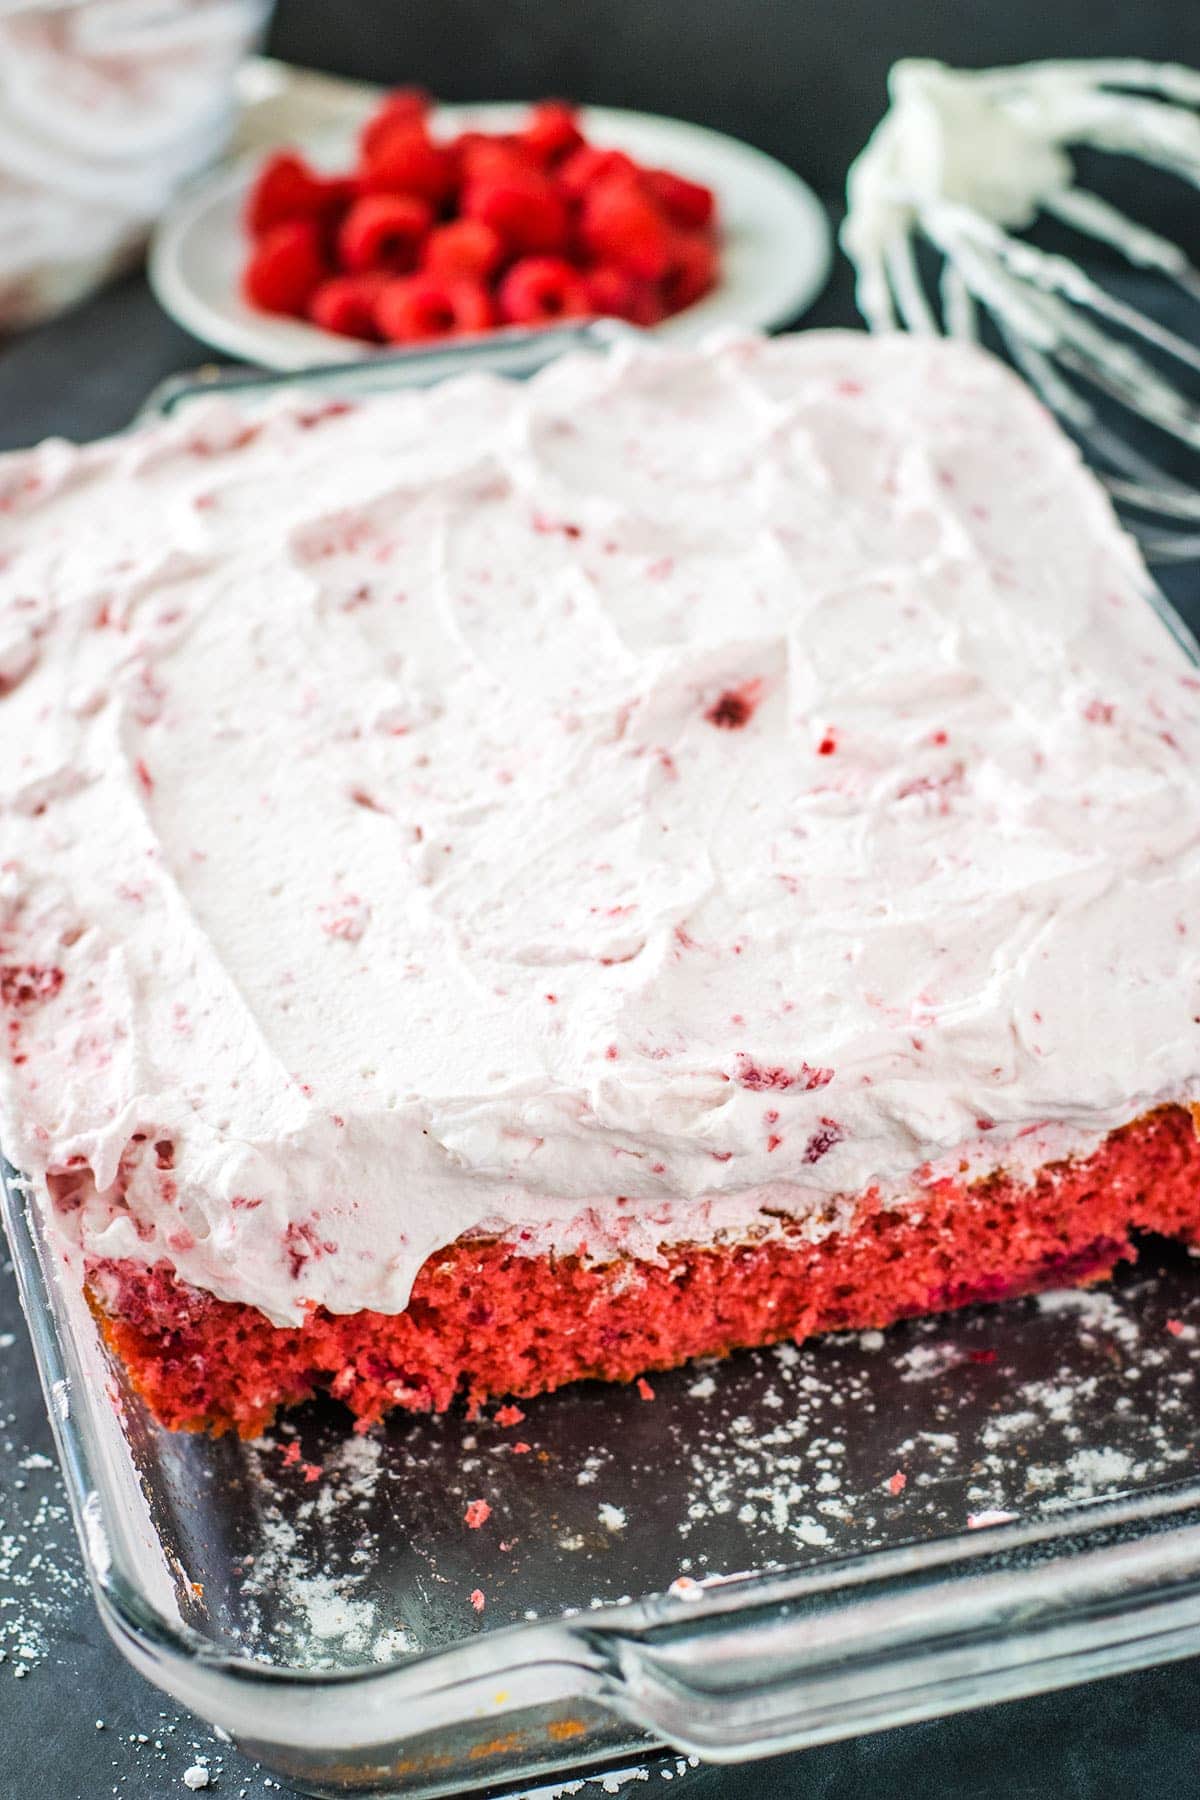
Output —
<point x="775" y="248"/>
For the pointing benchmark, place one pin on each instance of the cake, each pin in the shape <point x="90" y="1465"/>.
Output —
<point x="522" y="882"/>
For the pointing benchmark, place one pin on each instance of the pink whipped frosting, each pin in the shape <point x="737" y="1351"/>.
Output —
<point x="656" y="802"/>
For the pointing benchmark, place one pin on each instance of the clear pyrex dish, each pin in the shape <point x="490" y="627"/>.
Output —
<point x="788" y="1547"/>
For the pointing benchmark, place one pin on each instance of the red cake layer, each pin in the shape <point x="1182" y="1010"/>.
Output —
<point x="484" y="1321"/>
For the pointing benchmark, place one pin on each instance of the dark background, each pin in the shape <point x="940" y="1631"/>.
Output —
<point x="804" y="79"/>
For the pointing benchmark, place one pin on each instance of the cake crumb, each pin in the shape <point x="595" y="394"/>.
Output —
<point x="196" y="1777"/>
<point x="478" y="1513"/>
<point x="1095" y="1468"/>
<point x="509" y="1415"/>
<point x="477" y="1600"/>
<point x="898" y="1482"/>
<point x="644" y="1388"/>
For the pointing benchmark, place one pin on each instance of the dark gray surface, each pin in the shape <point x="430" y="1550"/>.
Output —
<point x="805" y="81"/>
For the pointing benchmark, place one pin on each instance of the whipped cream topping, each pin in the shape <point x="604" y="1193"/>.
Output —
<point x="660" y="800"/>
<point x="960" y="150"/>
<point x="105" y="107"/>
<point x="990" y="139"/>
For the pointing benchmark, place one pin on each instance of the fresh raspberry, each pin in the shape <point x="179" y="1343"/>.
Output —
<point x="285" y="188"/>
<point x="422" y="306"/>
<point x="585" y="230"/>
<point x="405" y="160"/>
<point x="621" y="224"/>
<point x="403" y="106"/>
<point x="523" y="208"/>
<point x="692" y="271"/>
<point x="482" y="156"/>
<point x="466" y="143"/>
<point x="465" y="249"/>
<point x="588" y="165"/>
<point x="551" y="133"/>
<point x="25" y="985"/>
<point x="384" y="231"/>
<point x="540" y="288"/>
<point x="285" y="269"/>
<point x="686" y="203"/>
<point x="339" y="192"/>
<point x="616" y="294"/>
<point x="346" y="304"/>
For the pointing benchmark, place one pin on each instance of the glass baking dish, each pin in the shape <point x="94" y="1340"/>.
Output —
<point x="789" y="1547"/>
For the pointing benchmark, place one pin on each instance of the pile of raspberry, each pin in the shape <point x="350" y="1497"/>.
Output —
<point x="430" y="238"/>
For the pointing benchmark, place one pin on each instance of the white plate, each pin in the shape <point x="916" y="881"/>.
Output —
<point x="775" y="235"/>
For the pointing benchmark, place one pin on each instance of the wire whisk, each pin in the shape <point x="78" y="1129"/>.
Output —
<point x="966" y="159"/>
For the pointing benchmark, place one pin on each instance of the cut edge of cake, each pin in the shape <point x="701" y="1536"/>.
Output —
<point x="486" y="1322"/>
